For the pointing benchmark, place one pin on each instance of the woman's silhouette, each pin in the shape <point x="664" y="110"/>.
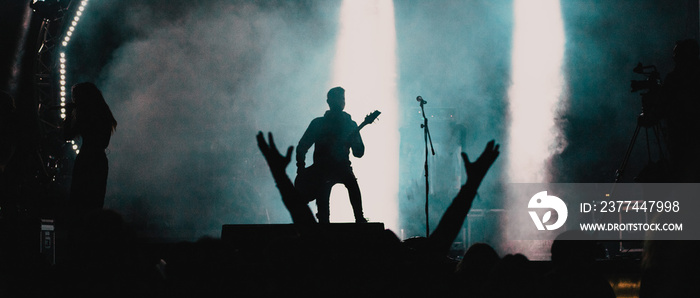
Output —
<point x="92" y="120"/>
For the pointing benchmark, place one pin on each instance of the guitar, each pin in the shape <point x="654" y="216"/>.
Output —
<point x="369" y="119"/>
<point x="310" y="180"/>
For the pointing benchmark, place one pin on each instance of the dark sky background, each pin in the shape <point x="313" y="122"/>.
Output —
<point x="191" y="82"/>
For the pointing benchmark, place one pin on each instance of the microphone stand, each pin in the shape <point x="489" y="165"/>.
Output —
<point x="428" y="139"/>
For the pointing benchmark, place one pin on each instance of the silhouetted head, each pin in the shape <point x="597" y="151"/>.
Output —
<point x="86" y="95"/>
<point x="574" y="248"/>
<point x="512" y="276"/>
<point x="336" y="99"/>
<point x="89" y="102"/>
<point x="686" y="51"/>
<point x="480" y="257"/>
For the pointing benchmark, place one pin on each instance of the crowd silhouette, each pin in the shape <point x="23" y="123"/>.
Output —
<point x="108" y="260"/>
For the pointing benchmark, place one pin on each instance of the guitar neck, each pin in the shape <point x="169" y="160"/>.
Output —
<point x="368" y="120"/>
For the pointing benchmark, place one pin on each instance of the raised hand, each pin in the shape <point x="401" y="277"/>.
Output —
<point x="452" y="220"/>
<point x="274" y="159"/>
<point x="300" y="212"/>
<point x="477" y="170"/>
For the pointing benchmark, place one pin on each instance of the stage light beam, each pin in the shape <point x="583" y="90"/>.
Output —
<point x="536" y="96"/>
<point x="365" y="65"/>
<point x="537" y="89"/>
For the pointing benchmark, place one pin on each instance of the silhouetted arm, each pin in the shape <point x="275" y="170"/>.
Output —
<point x="352" y="137"/>
<point x="358" y="147"/>
<point x="298" y="209"/>
<point x="451" y="222"/>
<point x="307" y="139"/>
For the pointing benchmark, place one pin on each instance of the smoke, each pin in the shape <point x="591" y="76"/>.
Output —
<point x="606" y="39"/>
<point x="456" y="55"/>
<point x="190" y="84"/>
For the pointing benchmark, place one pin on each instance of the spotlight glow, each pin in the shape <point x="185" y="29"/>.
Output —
<point x="365" y="65"/>
<point x="536" y="95"/>
<point x="537" y="89"/>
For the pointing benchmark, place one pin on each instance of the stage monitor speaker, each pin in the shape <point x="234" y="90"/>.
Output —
<point x="260" y="235"/>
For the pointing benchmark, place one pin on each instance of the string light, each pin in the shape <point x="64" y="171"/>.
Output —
<point x="63" y="62"/>
<point x="62" y="82"/>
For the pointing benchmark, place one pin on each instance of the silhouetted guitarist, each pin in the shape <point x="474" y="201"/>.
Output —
<point x="333" y="135"/>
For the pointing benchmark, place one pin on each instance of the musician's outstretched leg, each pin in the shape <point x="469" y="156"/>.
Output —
<point x="323" y="203"/>
<point x="355" y="198"/>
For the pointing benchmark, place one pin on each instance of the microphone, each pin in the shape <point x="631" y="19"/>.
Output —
<point x="420" y="99"/>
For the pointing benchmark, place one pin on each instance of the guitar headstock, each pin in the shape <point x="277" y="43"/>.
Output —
<point x="371" y="117"/>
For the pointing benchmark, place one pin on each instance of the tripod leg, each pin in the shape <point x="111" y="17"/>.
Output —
<point x="621" y="169"/>
<point x="659" y="139"/>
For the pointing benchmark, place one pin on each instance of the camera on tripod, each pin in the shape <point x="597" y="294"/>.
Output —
<point x="653" y="81"/>
<point x="651" y="97"/>
<point x="653" y="112"/>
